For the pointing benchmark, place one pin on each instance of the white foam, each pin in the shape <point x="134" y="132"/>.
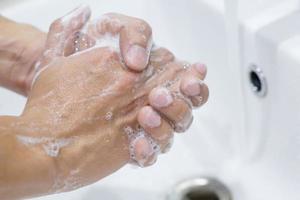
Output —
<point x="51" y="146"/>
<point x="133" y="137"/>
<point x="109" y="40"/>
<point x="26" y="140"/>
<point x="108" y="116"/>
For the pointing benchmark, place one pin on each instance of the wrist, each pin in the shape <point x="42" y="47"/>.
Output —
<point x="21" y="46"/>
<point x="24" y="167"/>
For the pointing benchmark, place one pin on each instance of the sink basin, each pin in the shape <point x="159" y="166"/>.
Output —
<point x="251" y="144"/>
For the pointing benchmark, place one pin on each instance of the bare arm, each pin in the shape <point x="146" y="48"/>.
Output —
<point x="20" y="47"/>
<point x="23" y="171"/>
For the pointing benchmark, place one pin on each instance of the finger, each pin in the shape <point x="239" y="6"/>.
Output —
<point x="158" y="128"/>
<point x="200" y="100"/>
<point x="108" y="23"/>
<point x="173" y="106"/>
<point x="200" y="70"/>
<point x="135" y="37"/>
<point x="192" y="85"/>
<point x="135" y="44"/>
<point x="143" y="149"/>
<point x="61" y="29"/>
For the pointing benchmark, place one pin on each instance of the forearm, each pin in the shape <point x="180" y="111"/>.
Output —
<point x="20" y="47"/>
<point x="24" y="171"/>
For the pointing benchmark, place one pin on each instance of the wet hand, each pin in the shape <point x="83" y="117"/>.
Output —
<point x="96" y="114"/>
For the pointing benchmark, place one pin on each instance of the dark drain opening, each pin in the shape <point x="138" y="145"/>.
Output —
<point x="200" y="195"/>
<point x="202" y="188"/>
<point x="258" y="81"/>
<point x="255" y="81"/>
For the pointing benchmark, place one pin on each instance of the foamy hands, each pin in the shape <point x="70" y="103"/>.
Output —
<point x="109" y="95"/>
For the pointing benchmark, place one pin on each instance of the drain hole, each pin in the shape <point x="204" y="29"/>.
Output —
<point x="256" y="82"/>
<point x="198" y="195"/>
<point x="202" y="188"/>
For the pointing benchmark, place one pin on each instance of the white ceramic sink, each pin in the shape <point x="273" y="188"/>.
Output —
<point x="251" y="144"/>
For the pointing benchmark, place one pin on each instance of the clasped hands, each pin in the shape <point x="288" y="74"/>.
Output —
<point x="101" y="95"/>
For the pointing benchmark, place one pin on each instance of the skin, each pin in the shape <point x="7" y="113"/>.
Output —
<point x="21" y="45"/>
<point x="70" y="99"/>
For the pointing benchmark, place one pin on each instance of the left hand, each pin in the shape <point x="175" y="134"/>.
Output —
<point x="135" y="43"/>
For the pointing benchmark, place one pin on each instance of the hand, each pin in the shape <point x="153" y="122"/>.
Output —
<point x="104" y="114"/>
<point x="131" y="36"/>
<point x="26" y="46"/>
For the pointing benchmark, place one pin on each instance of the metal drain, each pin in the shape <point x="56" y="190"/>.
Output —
<point x="200" y="189"/>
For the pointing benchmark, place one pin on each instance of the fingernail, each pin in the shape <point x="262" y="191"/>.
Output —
<point x="161" y="97"/>
<point x="136" y="57"/>
<point x="201" y="68"/>
<point x="192" y="88"/>
<point x="152" y="119"/>
<point x="142" y="149"/>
